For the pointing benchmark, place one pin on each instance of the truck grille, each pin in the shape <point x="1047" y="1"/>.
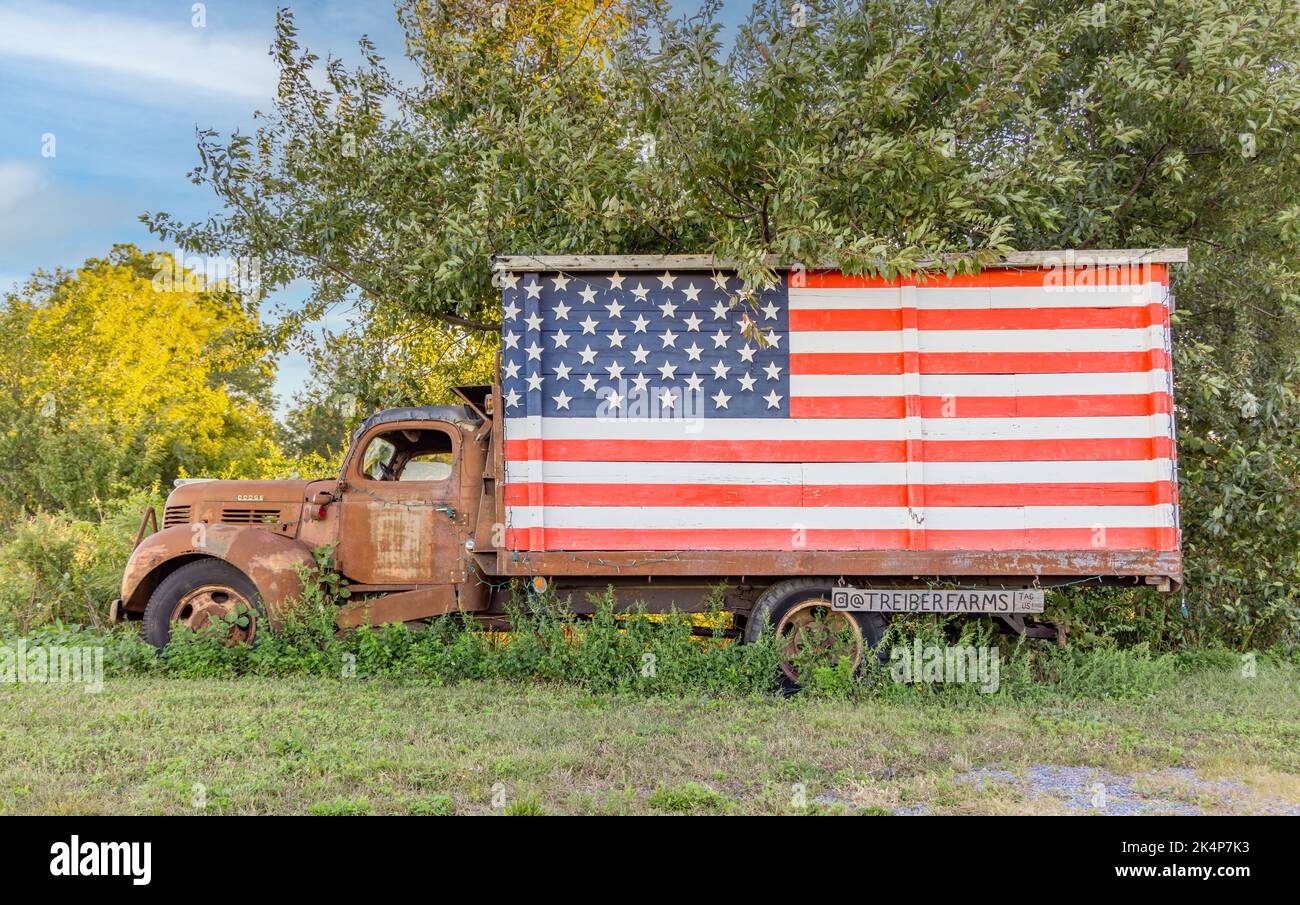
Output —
<point x="176" y="515"/>
<point x="250" y="516"/>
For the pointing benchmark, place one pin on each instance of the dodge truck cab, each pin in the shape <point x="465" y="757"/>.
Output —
<point x="400" y="519"/>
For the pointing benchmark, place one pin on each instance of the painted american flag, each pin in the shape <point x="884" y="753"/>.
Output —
<point x="1019" y="409"/>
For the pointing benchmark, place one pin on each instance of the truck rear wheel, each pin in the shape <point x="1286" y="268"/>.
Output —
<point x="807" y="633"/>
<point x="200" y="593"/>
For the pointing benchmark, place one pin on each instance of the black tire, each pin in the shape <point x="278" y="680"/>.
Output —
<point x="188" y="578"/>
<point x="778" y="600"/>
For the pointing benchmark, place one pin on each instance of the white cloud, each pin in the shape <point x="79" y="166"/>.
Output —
<point x="233" y="64"/>
<point x="39" y="215"/>
<point x="19" y="182"/>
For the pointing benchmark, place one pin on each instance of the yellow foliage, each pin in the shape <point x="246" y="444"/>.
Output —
<point x="542" y="38"/>
<point x="112" y="379"/>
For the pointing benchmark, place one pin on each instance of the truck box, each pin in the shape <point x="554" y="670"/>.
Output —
<point x="660" y="418"/>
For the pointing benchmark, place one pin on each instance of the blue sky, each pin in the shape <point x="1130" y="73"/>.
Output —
<point x="116" y="90"/>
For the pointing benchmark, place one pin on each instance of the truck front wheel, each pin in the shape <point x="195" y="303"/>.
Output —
<point x="201" y="593"/>
<point x="807" y="633"/>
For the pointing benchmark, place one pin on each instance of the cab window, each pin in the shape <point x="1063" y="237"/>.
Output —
<point x="408" y="455"/>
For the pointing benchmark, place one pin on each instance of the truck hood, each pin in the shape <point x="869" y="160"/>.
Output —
<point x="242" y="492"/>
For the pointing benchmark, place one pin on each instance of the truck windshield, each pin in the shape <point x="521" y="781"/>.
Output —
<point x="378" y="454"/>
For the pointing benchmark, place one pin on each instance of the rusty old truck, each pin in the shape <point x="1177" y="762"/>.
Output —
<point x="826" y="450"/>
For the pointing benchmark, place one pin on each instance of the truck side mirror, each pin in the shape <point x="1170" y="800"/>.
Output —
<point x="320" y="500"/>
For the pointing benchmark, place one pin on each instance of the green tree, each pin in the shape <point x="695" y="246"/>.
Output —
<point x="392" y="361"/>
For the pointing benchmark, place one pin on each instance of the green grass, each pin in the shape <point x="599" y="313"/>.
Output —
<point x="311" y="745"/>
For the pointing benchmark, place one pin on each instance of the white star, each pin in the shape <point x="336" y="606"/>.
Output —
<point x="534" y="381"/>
<point x="640" y="292"/>
<point x="587" y="355"/>
<point x="614" y="308"/>
<point x="640" y="323"/>
<point x="666" y="399"/>
<point x="616" y="340"/>
<point x="720" y="340"/>
<point x="534" y="321"/>
<point x="588" y="326"/>
<point x="669" y="338"/>
<point x="769" y="311"/>
<point x="773" y="370"/>
<point x="588" y="295"/>
<point x="666" y="281"/>
<point x="745" y="322"/>
<point x="615" y="371"/>
<point x="534" y="289"/>
<point x="613" y="400"/>
<point x="773" y="400"/>
<point x="692" y="292"/>
<point x="534" y="352"/>
<point x="511" y="280"/>
<point x="615" y="281"/>
<point x="693" y="323"/>
<point x="668" y="308"/>
<point x="562" y="371"/>
<point x="693" y="352"/>
<point x="640" y="354"/>
<point x="720" y="399"/>
<point x="641" y="382"/>
<point x="719" y="312"/>
<point x="560" y="282"/>
<point x="747" y="383"/>
<point x="511" y="339"/>
<point x="667" y="371"/>
<point x="720" y="371"/>
<point x="512" y="399"/>
<point x="694" y="383"/>
<point x="512" y="369"/>
<point x="562" y="311"/>
<point x="720" y="280"/>
<point x="589" y="383"/>
<point x="772" y="339"/>
<point x="561" y="339"/>
<point x="747" y="353"/>
<point x="562" y="401"/>
<point x="510" y="312"/>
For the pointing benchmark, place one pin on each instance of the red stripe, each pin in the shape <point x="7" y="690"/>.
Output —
<point x="827" y="495"/>
<point x="1080" y="539"/>
<point x="1139" y="449"/>
<point x="980" y="406"/>
<point x="980" y="362"/>
<point x="1126" y="318"/>
<point x="1064" y="278"/>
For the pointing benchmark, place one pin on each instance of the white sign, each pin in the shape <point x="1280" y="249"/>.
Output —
<point x="987" y="601"/>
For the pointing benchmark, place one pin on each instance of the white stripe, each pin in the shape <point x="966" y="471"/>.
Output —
<point x="977" y="297"/>
<point x="1042" y="341"/>
<point x="1120" y="384"/>
<point x="1123" y="471"/>
<point x="937" y="518"/>
<point x="758" y="429"/>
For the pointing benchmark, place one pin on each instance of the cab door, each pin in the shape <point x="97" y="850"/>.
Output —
<point x="397" y="522"/>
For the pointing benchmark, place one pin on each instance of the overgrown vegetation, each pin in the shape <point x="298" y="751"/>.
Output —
<point x="631" y="653"/>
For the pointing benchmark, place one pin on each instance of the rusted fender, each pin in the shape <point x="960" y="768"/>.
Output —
<point x="271" y="561"/>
